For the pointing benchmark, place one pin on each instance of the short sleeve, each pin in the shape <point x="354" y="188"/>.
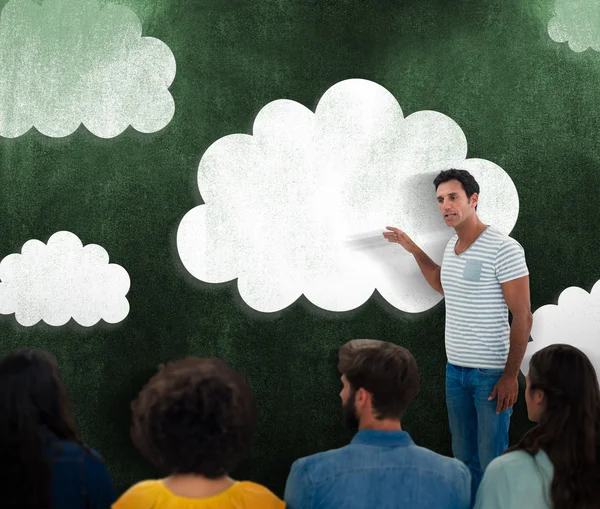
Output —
<point x="510" y="261"/>
<point x="494" y="490"/>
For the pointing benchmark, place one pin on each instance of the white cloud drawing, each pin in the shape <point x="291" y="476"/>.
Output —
<point x="299" y="206"/>
<point x="64" y="63"/>
<point x="574" y="320"/>
<point x="61" y="280"/>
<point x="576" y="22"/>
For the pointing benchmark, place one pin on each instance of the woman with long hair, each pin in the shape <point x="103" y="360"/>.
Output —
<point x="43" y="462"/>
<point x="556" y="464"/>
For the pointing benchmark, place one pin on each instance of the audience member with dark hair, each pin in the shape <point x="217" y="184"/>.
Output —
<point x="382" y="467"/>
<point x="557" y="463"/>
<point x="194" y="420"/>
<point x="43" y="462"/>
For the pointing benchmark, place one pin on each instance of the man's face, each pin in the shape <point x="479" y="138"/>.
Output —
<point x="347" y="395"/>
<point x="454" y="204"/>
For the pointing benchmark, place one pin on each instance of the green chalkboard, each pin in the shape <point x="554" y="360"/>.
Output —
<point x="524" y="101"/>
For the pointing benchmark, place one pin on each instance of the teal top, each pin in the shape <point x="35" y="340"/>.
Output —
<point x="516" y="480"/>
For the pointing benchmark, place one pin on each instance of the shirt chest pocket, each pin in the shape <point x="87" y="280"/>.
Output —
<point x="472" y="270"/>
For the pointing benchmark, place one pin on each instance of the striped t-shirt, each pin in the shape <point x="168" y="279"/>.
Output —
<point x="477" y="328"/>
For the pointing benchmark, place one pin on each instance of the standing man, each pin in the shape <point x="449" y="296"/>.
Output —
<point x="483" y="275"/>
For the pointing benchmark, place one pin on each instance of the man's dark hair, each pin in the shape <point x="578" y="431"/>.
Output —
<point x="387" y="371"/>
<point x="195" y="416"/>
<point x="467" y="180"/>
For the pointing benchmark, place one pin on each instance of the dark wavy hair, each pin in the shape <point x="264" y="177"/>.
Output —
<point x="569" y="427"/>
<point x="195" y="416"/>
<point x="33" y="407"/>
<point x="387" y="371"/>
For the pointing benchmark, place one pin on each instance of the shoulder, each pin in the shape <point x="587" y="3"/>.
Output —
<point x="521" y="457"/>
<point x="141" y="495"/>
<point x="510" y="244"/>
<point x="66" y="456"/>
<point x="319" y="465"/>
<point x="449" y="249"/>
<point x="444" y="466"/>
<point x="511" y="464"/>
<point x="493" y="239"/>
<point x="509" y="255"/>
<point x="513" y="479"/>
<point x="96" y="471"/>
<point x="503" y="242"/>
<point x="91" y="458"/>
<point x="67" y="450"/>
<point x="451" y="241"/>
<point x="258" y="495"/>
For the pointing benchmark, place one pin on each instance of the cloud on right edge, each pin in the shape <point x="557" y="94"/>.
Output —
<point x="576" y="22"/>
<point x="575" y="320"/>
<point x="60" y="280"/>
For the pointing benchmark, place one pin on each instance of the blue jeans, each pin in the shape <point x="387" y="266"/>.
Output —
<point x="478" y="434"/>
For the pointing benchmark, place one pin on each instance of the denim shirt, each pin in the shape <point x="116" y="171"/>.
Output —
<point x="378" y="470"/>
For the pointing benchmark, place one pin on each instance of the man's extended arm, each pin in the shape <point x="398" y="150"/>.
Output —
<point x="430" y="270"/>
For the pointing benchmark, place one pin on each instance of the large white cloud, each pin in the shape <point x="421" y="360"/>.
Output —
<point x="576" y="22"/>
<point x="61" y="280"/>
<point x="68" y="62"/>
<point x="299" y="206"/>
<point x="574" y="320"/>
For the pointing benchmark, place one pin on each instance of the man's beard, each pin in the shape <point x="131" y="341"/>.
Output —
<point x="349" y="411"/>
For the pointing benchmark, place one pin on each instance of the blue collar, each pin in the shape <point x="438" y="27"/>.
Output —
<point x="377" y="437"/>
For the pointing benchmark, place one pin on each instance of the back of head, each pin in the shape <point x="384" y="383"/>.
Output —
<point x="195" y="416"/>
<point x="33" y="403"/>
<point x="385" y="370"/>
<point x="467" y="180"/>
<point x="569" y="426"/>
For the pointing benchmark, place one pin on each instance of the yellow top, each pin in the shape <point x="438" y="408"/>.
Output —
<point x="155" y="495"/>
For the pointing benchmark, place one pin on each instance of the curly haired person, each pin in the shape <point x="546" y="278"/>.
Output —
<point x="194" y="420"/>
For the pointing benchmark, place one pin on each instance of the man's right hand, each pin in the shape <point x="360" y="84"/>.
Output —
<point x="399" y="237"/>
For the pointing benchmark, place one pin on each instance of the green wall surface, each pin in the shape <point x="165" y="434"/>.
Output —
<point x="524" y="101"/>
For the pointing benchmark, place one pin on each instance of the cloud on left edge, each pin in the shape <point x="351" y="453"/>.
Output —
<point x="65" y="63"/>
<point x="60" y="280"/>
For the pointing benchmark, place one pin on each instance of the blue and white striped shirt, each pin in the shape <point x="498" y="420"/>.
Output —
<point x="477" y="328"/>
